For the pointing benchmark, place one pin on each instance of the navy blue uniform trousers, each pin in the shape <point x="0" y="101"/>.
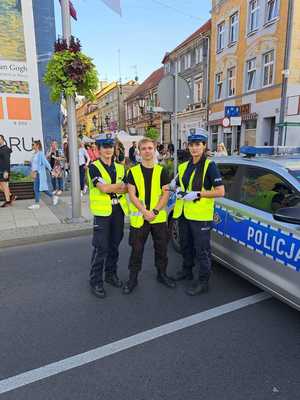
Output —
<point x="195" y="246"/>
<point x="107" y="236"/>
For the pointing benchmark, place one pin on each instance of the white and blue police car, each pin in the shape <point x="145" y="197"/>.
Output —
<point x="256" y="228"/>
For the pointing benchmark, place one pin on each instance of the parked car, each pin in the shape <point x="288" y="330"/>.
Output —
<point x="256" y="229"/>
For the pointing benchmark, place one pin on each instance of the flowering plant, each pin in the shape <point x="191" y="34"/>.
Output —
<point x="70" y="72"/>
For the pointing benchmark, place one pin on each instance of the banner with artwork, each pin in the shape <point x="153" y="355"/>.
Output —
<point x="20" y="109"/>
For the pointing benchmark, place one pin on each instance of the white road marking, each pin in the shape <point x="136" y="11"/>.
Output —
<point x="38" y="374"/>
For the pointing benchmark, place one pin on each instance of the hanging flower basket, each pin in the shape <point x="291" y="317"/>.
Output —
<point x="70" y="72"/>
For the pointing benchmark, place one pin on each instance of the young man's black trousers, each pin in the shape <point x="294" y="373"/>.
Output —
<point x="137" y="241"/>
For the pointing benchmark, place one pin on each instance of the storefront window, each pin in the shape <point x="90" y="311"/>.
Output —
<point x="228" y="142"/>
<point x="250" y="132"/>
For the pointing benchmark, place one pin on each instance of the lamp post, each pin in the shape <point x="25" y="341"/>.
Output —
<point x="107" y="118"/>
<point x="101" y="125"/>
<point x="72" y="131"/>
<point x="141" y="103"/>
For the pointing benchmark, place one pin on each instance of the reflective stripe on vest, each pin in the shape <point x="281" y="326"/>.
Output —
<point x="100" y="203"/>
<point x="202" y="210"/>
<point x="136" y="217"/>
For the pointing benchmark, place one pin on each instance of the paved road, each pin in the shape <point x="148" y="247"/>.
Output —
<point x="47" y="314"/>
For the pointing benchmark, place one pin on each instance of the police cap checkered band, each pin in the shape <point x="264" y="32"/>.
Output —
<point x="105" y="139"/>
<point x="198" y="135"/>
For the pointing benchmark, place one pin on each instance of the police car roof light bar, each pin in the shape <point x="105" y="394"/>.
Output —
<point x="252" y="151"/>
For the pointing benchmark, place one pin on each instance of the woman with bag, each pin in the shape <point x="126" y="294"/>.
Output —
<point x="39" y="168"/>
<point x="56" y="159"/>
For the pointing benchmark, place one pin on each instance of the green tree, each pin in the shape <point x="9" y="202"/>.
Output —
<point x="152" y="133"/>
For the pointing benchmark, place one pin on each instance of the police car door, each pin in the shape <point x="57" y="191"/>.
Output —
<point x="229" y="174"/>
<point x="260" y="248"/>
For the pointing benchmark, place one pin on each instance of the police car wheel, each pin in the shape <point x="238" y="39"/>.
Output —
<point x="174" y="234"/>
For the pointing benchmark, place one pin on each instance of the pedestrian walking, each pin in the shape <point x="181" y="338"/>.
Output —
<point x="221" y="150"/>
<point x="5" y="153"/>
<point x="199" y="183"/>
<point x="93" y="152"/>
<point x="119" y="154"/>
<point x="133" y="153"/>
<point x="84" y="161"/>
<point x="39" y="168"/>
<point x="56" y="160"/>
<point x="107" y="184"/>
<point x="171" y="149"/>
<point x="147" y="188"/>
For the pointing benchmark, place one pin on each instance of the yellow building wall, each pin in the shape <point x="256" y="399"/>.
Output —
<point x="223" y="12"/>
<point x="294" y="77"/>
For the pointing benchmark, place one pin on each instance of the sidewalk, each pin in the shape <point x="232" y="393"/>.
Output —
<point x="18" y="225"/>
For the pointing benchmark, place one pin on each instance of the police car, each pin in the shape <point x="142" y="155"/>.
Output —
<point x="256" y="228"/>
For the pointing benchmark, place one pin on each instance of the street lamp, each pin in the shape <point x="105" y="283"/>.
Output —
<point x="141" y="104"/>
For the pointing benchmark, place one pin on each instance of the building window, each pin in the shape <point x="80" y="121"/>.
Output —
<point x="251" y="74"/>
<point x="199" y="54"/>
<point x="187" y="61"/>
<point x="234" y="23"/>
<point x="178" y="65"/>
<point x="268" y="66"/>
<point x="221" y="36"/>
<point x="167" y="68"/>
<point x="219" y="85"/>
<point x="272" y="10"/>
<point x="253" y="15"/>
<point x="198" y="91"/>
<point x="231" y="81"/>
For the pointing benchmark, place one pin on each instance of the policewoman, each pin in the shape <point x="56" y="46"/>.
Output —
<point x="199" y="183"/>
<point x="147" y="189"/>
<point x="107" y="183"/>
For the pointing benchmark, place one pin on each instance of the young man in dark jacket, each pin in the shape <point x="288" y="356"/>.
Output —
<point x="5" y="152"/>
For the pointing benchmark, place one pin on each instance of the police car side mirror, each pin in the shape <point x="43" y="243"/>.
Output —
<point x="290" y="215"/>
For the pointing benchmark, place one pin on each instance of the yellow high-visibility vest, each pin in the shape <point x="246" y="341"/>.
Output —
<point x="136" y="217"/>
<point x="100" y="203"/>
<point x="202" y="210"/>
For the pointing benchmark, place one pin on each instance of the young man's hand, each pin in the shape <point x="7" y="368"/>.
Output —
<point x="123" y="188"/>
<point x="149" y="215"/>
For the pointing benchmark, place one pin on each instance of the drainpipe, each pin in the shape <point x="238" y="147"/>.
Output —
<point x="207" y="79"/>
<point x="285" y="73"/>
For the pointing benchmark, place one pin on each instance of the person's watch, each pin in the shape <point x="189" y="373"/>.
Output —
<point x="155" y="211"/>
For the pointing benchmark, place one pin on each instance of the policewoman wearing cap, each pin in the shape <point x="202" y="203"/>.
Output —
<point x="108" y="204"/>
<point x="199" y="183"/>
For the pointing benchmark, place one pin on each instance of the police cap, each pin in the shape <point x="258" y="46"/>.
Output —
<point x="197" y="135"/>
<point x="105" y="139"/>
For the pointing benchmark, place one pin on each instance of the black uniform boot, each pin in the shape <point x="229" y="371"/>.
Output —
<point x="165" y="280"/>
<point x="184" y="274"/>
<point x="98" y="291"/>
<point x="131" y="283"/>
<point x="197" y="288"/>
<point x="113" y="280"/>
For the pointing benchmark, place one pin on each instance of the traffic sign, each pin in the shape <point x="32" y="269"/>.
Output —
<point x="166" y="94"/>
<point x="226" y="122"/>
<point x="236" y="121"/>
<point x="232" y="111"/>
